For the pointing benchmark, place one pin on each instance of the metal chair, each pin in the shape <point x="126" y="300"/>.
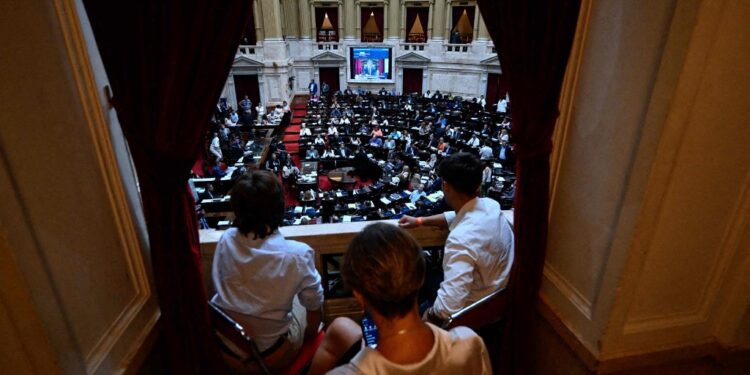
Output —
<point x="482" y="313"/>
<point x="238" y="347"/>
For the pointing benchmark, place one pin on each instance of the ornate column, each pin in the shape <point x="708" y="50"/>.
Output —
<point x="348" y="19"/>
<point x="291" y="19"/>
<point x="394" y="19"/>
<point x="305" y="19"/>
<point x="271" y="19"/>
<point x="258" y="20"/>
<point x="438" y="20"/>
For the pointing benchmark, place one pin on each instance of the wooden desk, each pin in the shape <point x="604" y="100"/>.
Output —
<point x="340" y="176"/>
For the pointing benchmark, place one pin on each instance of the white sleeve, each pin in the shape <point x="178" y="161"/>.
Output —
<point x="311" y="293"/>
<point x="458" y="267"/>
<point x="449" y="216"/>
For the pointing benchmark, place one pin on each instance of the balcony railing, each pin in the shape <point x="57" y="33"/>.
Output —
<point x="250" y="50"/>
<point x="413" y="46"/>
<point x="326" y="46"/>
<point x="457" y="48"/>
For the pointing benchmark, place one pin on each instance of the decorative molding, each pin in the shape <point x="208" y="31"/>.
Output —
<point x="694" y="351"/>
<point x="570" y="292"/>
<point x="323" y="3"/>
<point x="246" y="62"/>
<point x="328" y="57"/>
<point x="86" y="85"/>
<point x="494" y="60"/>
<point x="730" y="242"/>
<point x="413" y="3"/>
<point x="413" y="58"/>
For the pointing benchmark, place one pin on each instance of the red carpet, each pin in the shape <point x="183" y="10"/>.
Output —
<point x="292" y="149"/>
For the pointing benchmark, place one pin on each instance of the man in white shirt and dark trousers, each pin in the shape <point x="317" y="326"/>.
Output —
<point x="479" y="248"/>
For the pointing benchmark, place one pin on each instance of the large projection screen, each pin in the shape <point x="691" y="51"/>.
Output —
<point x="370" y="64"/>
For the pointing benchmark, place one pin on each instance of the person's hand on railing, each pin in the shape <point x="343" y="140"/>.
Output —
<point x="407" y="221"/>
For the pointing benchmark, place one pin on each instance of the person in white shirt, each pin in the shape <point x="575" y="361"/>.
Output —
<point x="504" y="136"/>
<point x="502" y="105"/>
<point x="277" y="113"/>
<point x="265" y="282"/>
<point x="385" y="268"/>
<point x="319" y="140"/>
<point x="417" y="194"/>
<point x="332" y="130"/>
<point x="433" y="161"/>
<point x="482" y="101"/>
<point x="485" y="153"/>
<point x="215" y="147"/>
<point x="479" y="248"/>
<point x="261" y="109"/>
<point x="407" y="139"/>
<point x="228" y="121"/>
<point x="329" y="153"/>
<point x="355" y="141"/>
<point x="304" y="131"/>
<point x="474" y="141"/>
<point x="486" y="178"/>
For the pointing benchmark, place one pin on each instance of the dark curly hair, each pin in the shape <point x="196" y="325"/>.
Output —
<point x="258" y="202"/>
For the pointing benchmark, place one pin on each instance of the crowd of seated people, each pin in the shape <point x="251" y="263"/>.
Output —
<point x="396" y="142"/>
<point x="391" y="143"/>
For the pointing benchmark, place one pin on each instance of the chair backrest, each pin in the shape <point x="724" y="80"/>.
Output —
<point x="487" y="310"/>
<point x="234" y="339"/>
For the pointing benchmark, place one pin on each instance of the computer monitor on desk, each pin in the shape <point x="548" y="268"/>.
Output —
<point x="309" y="167"/>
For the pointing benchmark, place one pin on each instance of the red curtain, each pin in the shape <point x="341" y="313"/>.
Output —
<point x="457" y="12"/>
<point x="533" y="40"/>
<point x="333" y="16"/>
<point x="167" y="62"/>
<point x="411" y="16"/>
<point x="365" y="16"/>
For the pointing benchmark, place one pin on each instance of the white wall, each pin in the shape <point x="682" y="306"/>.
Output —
<point x="458" y="73"/>
<point x="651" y="197"/>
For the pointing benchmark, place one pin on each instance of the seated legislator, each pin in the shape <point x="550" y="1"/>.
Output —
<point x="385" y="268"/>
<point x="479" y="248"/>
<point x="312" y="154"/>
<point x="265" y="282"/>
